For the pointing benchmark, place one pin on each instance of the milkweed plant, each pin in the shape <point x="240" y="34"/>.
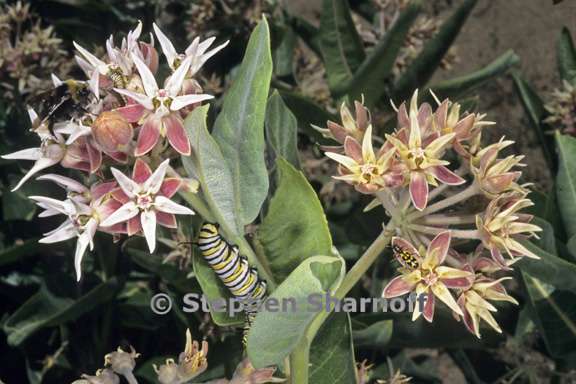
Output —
<point x="146" y="154"/>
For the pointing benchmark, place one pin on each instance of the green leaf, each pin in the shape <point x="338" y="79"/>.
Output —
<point x="19" y="252"/>
<point x="306" y="31"/>
<point x="332" y="352"/>
<point x="340" y="43"/>
<point x="214" y="289"/>
<point x="16" y="206"/>
<point x="370" y="78"/>
<point x="294" y="227"/>
<point x="282" y="130"/>
<point x="239" y="128"/>
<point x="566" y="56"/>
<point x="44" y="309"/>
<point x="457" y="87"/>
<point x="534" y="109"/>
<point x="315" y="275"/>
<point x="283" y="55"/>
<point x="429" y="59"/>
<point x="566" y="181"/>
<point x="208" y="164"/>
<point x="376" y="335"/>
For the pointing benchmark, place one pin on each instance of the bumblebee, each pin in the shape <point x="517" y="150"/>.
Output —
<point x="408" y="258"/>
<point x="66" y="101"/>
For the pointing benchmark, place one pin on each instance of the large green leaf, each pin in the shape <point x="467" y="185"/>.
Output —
<point x="340" y="43"/>
<point x="376" y="335"/>
<point x="534" y="109"/>
<point x="239" y="128"/>
<point x="459" y="86"/>
<point x="214" y="289"/>
<point x="45" y="309"/>
<point x="566" y="181"/>
<point x="566" y="56"/>
<point x="314" y="276"/>
<point x="282" y="130"/>
<point x="332" y="352"/>
<point x="294" y="227"/>
<point x="306" y="31"/>
<point x="208" y="164"/>
<point x="426" y="63"/>
<point x="370" y="78"/>
<point x="283" y="54"/>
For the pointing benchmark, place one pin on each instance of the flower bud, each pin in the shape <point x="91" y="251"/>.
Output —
<point x="112" y="132"/>
<point x="121" y="362"/>
<point x="150" y="55"/>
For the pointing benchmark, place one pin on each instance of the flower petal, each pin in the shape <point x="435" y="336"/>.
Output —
<point x="176" y="134"/>
<point x="167" y="47"/>
<point x="170" y="186"/>
<point x="148" y="136"/>
<point x="167" y="220"/>
<point x="65" y="232"/>
<point x="429" y="306"/>
<point x="141" y="171"/>
<point x="24" y="154"/>
<point x="148" y="80"/>
<point x="124" y="213"/>
<point x="134" y="226"/>
<point x="438" y="248"/>
<point x="174" y="83"/>
<point x="418" y="190"/>
<point x="64" y="182"/>
<point x="164" y="204"/>
<point x="440" y="290"/>
<point x="84" y="240"/>
<point x="131" y="112"/>
<point x="40" y="164"/>
<point x="446" y="176"/>
<point x="182" y="101"/>
<point x="400" y="244"/>
<point x="144" y="100"/>
<point x="398" y="286"/>
<point x="154" y="182"/>
<point x="129" y="186"/>
<point x="148" y="221"/>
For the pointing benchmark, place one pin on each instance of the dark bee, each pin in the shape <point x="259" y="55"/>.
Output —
<point x="64" y="102"/>
<point x="408" y="258"/>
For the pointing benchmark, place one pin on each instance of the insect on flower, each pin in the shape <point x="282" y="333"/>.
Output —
<point x="403" y="254"/>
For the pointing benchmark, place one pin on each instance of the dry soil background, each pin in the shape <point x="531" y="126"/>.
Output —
<point x="530" y="28"/>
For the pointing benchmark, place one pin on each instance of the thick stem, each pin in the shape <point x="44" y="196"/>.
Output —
<point x="354" y="275"/>
<point x="299" y="362"/>
<point x="457" y="233"/>
<point x="447" y="202"/>
<point x="440" y="219"/>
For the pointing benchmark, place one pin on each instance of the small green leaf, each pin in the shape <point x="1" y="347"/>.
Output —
<point x="44" y="309"/>
<point x="294" y="227"/>
<point x="376" y="335"/>
<point x="566" y="181"/>
<point x="306" y="31"/>
<point x="208" y="164"/>
<point x="457" y="87"/>
<point x="267" y="346"/>
<point x="332" y="352"/>
<point x="566" y="56"/>
<point x="534" y="109"/>
<point x="282" y="130"/>
<point x="429" y="59"/>
<point x="340" y="43"/>
<point x="370" y="78"/>
<point x="239" y="128"/>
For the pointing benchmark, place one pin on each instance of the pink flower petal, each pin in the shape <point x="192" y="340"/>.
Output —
<point x="447" y="176"/>
<point x="100" y="189"/>
<point x="463" y="127"/>
<point x="461" y="282"/>
<point x="353" y="148"/>
<point x="442" y="114"/>
<point x="134" y="226"/>
<point x="498" y="258"/>
<point x="148" y="136"/>
<point x="132" y="112"/>
<point x="119" y="157"/>
<point x="167" y="220"/>
<point x="428" y="311"/>
<point x="397" y="287"/>
<point x="170" y="186"/>
<point x="418" y="190"/>
<point x="141" y="171"/>
<point x="176" y="134"/>
<point x="439" y="246"/>
<point x="468" y="322"/>
<point x="337" y="131"/>
<point x="403" y="119"/>
<point x="119" y="195"/>
<point x="95" y="157"/>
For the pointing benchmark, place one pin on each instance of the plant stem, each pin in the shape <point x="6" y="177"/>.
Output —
<point x="459" y="233"/>
<point x="354" y="275"/>
<point x="299" y="362"/>
<point x="454" y="199"/>
<point x="440" y="219"/>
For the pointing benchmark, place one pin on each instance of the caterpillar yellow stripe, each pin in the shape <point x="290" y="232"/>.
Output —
<point x="232" y="268"/>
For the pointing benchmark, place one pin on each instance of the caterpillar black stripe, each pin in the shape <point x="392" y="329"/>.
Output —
<point x="232" y="268"/>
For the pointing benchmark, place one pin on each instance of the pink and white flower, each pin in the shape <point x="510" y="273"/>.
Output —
<point x="158" y="109"/>
<point x="146" y="201"/>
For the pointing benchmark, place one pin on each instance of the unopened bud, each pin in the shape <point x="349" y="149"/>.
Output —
<point x="150" y="55"/>
<point x="112" y="132"/>
<point x="121" y="362"/>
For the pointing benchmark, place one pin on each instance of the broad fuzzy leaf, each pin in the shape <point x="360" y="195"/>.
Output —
<point x="340" y="43"/>
<point x="294" y="227"/>
<point x="566" y="56"/>
<point x="566" y="181"/>
<point x="239" y="128"/>
<point x="282" y="130"/>
<point x="315" y="275"/>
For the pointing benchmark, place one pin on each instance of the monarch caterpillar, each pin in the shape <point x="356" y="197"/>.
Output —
<point x="232" y="268"/>
<point x="408" y="258"/>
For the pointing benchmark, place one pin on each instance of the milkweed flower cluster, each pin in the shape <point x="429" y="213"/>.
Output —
<point x="441" y="189"/>
<point x="125" y="121"/>
<point x="561" y="107"/>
